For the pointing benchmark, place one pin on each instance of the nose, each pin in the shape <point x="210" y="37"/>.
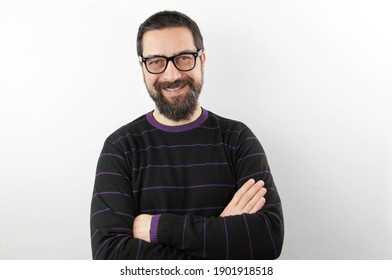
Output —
<point x="171" y="73"/>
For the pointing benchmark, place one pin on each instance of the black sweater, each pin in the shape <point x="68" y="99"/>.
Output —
<point x="185" y="176"/>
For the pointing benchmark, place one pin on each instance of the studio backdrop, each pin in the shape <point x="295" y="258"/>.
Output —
<point x="312" y="79"/>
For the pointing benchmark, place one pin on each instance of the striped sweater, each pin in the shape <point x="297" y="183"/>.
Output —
<point x="185" y="176"/>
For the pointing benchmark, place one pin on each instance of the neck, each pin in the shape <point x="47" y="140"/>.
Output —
<point x="165" y="121"/>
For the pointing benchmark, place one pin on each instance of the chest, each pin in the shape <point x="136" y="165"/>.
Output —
<point x="182" y="175"/>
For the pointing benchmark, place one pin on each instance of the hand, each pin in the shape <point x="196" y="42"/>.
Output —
<point x="248" y="199"/>
<point x="141" y="227"/>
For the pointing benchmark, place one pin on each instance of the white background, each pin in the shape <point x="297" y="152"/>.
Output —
<point x="312" y="79"/>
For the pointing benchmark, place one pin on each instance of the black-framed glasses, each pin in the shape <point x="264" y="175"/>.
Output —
<point x="184" y="62"/>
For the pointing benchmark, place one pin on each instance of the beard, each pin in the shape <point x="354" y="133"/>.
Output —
<point x="180" y="107"/>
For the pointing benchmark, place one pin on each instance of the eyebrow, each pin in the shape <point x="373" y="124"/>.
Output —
<point x="179" y="53"/>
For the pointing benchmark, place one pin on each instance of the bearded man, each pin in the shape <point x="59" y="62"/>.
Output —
<point x="181" y="182"/>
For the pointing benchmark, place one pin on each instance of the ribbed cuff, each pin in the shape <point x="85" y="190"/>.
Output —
<point x="154" y="228"/>
<point x="172" y="229"/>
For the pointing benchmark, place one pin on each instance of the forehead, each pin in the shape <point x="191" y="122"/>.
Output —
<point x="168" y="41"/>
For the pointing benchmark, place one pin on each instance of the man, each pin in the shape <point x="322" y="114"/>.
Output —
<point x="181" y="182"/>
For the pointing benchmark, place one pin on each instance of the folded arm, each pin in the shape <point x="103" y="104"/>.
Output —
<point x="113" y="210"/>
<point x="250" y="227"/>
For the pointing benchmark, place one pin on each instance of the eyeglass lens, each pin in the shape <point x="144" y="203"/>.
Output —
<point x="183" y="62"/>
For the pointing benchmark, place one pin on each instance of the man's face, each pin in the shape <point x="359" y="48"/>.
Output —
<point x="174" y="92"/>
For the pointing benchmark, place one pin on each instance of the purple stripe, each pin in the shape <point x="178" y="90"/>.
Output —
<point x="251" y="155"/>
<point x="273" y="214"/>
<point x="178" y="128"/>
<point x="227" y="239"/>
<point x="95" y="232"/>
<point x="175" y="146"/>
<point x="251" y="175"/>
<point x="100" y="248"/>
<point x="124" y="214"/>
<point x="118" y="246"/>
<point x="233" y="131"/>
<point x="204" y="237"/>
<point x="123" y="229"/>
<point x="179" y="146"/>
<point x="134" y="134"/>
<point x="110" y="193"/>
<point x="106" y="241"/>
<point x="246" y="139"/>
<point x="139" y="121"/>
<point x="181" y="165"/>
<point x="114" y="155"/>
<point x="108" y="209"/>
<point x="138" y="249"/>
<point x="231" y="147"/>
<point x="160" y="250"/>
<point x="112" y="174"/>
<point x="109" y="173"/>
<point x="183" y="233"/>
<point x="250" y="241"/>
<point x="271" y="205"/>
<point x="207" y="127"/>
<point x="181" y="128"/>
<point x="179" y="210"/>
<point x="219" y="128"/>
<point x="184" y="187"/>
<point x="100" y="211"/>
<point x="154" y="228"/>
<point x="270" y="234"/>
<point x="170" y="128"/>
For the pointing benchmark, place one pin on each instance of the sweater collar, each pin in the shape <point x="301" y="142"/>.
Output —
<point x="178" y="128"/>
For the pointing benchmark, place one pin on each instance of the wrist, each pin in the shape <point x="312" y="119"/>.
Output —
<point x="154" y="228"/>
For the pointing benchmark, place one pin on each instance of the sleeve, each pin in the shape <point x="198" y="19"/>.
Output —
<point x="113" y="209"/>
<point x="246" y="236"/>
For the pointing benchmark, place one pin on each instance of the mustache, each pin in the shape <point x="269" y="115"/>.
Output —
<point x="177" y="83"/>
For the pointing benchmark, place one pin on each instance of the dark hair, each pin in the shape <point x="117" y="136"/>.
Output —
<point x="167" y="19"/>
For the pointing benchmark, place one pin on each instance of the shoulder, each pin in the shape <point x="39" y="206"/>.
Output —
<point x="235" y="133"/>
<point x="226" y="124"/>
<point x="136" y="127"/>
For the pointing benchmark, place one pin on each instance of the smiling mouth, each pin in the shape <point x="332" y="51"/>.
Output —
<point x="172" y="89"/>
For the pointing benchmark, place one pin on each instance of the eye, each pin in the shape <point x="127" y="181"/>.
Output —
<point x="155" y="61"/>
<point x="184" y="58"/>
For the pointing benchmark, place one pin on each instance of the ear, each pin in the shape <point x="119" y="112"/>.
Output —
<point x="203" y="58"/>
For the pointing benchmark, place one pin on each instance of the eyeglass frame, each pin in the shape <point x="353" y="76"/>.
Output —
<point x="171" y="58"/>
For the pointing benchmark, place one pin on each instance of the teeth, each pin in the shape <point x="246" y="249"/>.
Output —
<point x="173" y="89"/>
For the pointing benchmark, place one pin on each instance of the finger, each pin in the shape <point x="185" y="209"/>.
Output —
<point x="249" y="195"/>
<point x="245" y="187"/>
<point x="255" y="199"/>
<point x="260" y="204"/>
